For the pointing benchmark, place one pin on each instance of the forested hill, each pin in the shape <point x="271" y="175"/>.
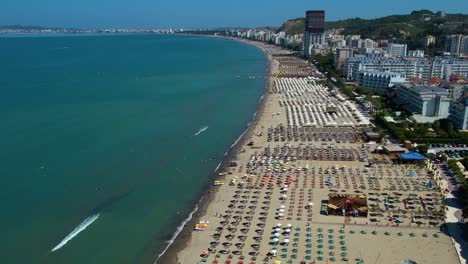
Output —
<point x="403" y="27"/>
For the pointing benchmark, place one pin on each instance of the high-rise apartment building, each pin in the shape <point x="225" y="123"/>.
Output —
<point x="397" y="50"/>
<point x="411" y="67"/>
<point x="455" y="44"/>
<point x="314" y="35"/>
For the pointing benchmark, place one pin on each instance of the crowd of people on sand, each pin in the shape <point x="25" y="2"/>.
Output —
<point x="269" y="215"/>
<point x="287" y="152"/>
<point x="308" y="103"/>
<point x="314" y="134"/>
<point x="294" y="67"/>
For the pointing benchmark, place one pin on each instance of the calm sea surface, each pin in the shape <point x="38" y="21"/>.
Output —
<point x="98" y="158"/>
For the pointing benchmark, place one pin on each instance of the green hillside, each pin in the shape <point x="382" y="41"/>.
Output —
<point x="409" y="28"/>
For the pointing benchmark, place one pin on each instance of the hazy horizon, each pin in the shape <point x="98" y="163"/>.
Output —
<point x="143" y="14"/>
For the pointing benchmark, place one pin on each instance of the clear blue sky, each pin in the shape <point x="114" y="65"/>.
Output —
<point x="200" y="13"/>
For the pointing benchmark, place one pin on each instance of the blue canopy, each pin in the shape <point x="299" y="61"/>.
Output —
<point x="412" y="156"/>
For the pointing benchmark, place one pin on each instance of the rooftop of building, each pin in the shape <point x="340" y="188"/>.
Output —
<point x="381" y="73"/>
<point x="429" y="89"/>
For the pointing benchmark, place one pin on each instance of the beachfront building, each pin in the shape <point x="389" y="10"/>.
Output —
<point x="455" y="44"/>
<point x="423" y="100"/>
<point x="397" y="50"/>
<point x="416" y="53"/>
<point x="458" y="114"/>
<point x="314" y="34"/>
<point x="379" y="81"/>
<point x="410" y="67"/>
<point x="368" y="44"/>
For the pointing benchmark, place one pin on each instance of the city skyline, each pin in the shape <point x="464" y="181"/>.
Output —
<point x="200" y="14"/>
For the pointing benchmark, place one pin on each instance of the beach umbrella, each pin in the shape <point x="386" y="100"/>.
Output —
<point x="286" y="240"/>
<point x="311" y="204"/>
<point x="280" y="214"/>
<point x="278" y="225"/>
<point x="289" y="225"/>
<point x="282" y="206"/>
<point x="281" y="210"/>
<point x="277" y="229"/>
<point x="275" y="239"/>
<point x="276" y="234"/>
<point x="287" y="230"/>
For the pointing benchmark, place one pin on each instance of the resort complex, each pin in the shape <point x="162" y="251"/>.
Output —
<point x="306" y="187"/>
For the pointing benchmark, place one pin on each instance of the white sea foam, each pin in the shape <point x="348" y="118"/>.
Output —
<point x="239" y="138"/>
<point x="82" y="226"/>
<point x="217" y="167"/>
<point x="200" y="131"/>
<point x="179" y="229"/>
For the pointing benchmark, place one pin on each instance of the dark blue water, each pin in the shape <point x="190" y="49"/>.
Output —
<point x="98" y="131"/>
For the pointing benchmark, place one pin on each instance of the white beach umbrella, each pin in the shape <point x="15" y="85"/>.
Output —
<point x="286" y="240"/>
<point x="289" y="225"/>
<point x="283" y="206"/>
<point x="280" y="214"/>
<point x="277" y="229"/>
<point x="275" y="239"/>
<point x="276" y="234"/>
<point x="278" y="224"/>
<point x="311" y="204"/>
<point x="284" y="196"/>
<point x="281" y="210"/>
<point x="287" y="230"/>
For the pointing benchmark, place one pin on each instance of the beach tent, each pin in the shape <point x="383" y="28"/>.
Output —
<point x="412" y="156"/>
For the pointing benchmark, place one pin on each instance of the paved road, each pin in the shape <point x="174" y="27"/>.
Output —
<point x="453" y="215"/>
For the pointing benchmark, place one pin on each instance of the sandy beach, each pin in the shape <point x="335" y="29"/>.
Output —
<point x="302" y="165"/>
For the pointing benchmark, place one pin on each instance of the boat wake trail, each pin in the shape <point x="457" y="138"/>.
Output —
<point x="82" y="226"/>
<point x="200" y="131"/>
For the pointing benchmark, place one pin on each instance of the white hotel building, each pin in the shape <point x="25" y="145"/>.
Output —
<point x="410" y="67"/>
<point x="379" y="81"/>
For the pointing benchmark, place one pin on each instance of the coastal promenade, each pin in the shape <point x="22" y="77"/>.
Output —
<point x="304" y="187"/>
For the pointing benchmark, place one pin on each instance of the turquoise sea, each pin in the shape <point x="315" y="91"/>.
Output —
<point x="98" y="154"/>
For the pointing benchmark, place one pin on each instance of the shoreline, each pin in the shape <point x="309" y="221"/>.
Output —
<point x="305" y="164"/>
<point x="182" y="236"/>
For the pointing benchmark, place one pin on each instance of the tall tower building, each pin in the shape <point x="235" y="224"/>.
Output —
<point x="314" y="35"/>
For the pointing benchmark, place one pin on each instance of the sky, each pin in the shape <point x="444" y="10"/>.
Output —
<point x="201" y="13"/>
